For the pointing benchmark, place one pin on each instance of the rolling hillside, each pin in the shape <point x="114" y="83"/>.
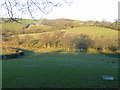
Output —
<point x="41" y="36"/>
<point x="91" y="31"/>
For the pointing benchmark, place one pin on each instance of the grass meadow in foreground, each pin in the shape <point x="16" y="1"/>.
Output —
<point x="0" y="74"/>
<point x="57" y="70"/>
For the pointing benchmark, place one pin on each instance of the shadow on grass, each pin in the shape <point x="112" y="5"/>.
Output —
<point x="112" y="55"/>
<point x="19" y="52"/>
<point x="24" y="50"/>
<point x="58" y="51"/>
<point x="68" y="51"/>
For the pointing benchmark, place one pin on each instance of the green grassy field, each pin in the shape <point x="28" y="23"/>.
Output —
<point x="60" y="70"/>
<point x="55" y="70"/>
<point x="92" y="31"/>
<point x="0" y="74"/>
<point x="39" y="27"/>
<point x="17" y="26"/>
<point x="3" y="52"/>
<point x="27" y="21"/>
<point x="12" y="26"/>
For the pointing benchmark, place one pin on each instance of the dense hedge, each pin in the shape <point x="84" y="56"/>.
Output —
<point x="68" y="41"/>
<point x="11" y="56"/>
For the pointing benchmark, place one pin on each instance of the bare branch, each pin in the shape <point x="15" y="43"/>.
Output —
<point x="13" y="7"/>
<point x="28" y="6"/>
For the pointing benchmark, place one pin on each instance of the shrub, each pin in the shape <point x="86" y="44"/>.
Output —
<point x="113" y="48"/>
<point x="83" y="42"/>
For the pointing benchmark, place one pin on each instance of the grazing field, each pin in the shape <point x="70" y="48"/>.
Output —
<point x="27" y="21"/>
<point x="92" y="31"/>
<point x="5" y="52"/>
<point x="56" y="70"/>
<point x="12" y="26"/>
<point x="50" y="59"/>
<point x="39" y="27"/>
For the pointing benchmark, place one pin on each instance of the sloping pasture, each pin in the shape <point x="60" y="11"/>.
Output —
<point x="55" y="70"/>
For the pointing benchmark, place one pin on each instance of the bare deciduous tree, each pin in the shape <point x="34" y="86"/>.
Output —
<point x="15" y="8"/>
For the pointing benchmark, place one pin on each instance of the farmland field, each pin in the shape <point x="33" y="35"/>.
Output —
<point x="50" y="57"/>
<point x="11" y="26"/>
<point x="91" y="31"/>
<point x="56" y="70"/>
<point x="4" y="52"/>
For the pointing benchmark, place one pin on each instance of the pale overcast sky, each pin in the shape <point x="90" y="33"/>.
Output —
<point x="84" y="10"/>
<point x="87" y="10"/>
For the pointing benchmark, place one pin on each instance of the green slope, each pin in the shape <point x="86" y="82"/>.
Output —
<point x="55" y="70"/>
<point x="92" y="30"/>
